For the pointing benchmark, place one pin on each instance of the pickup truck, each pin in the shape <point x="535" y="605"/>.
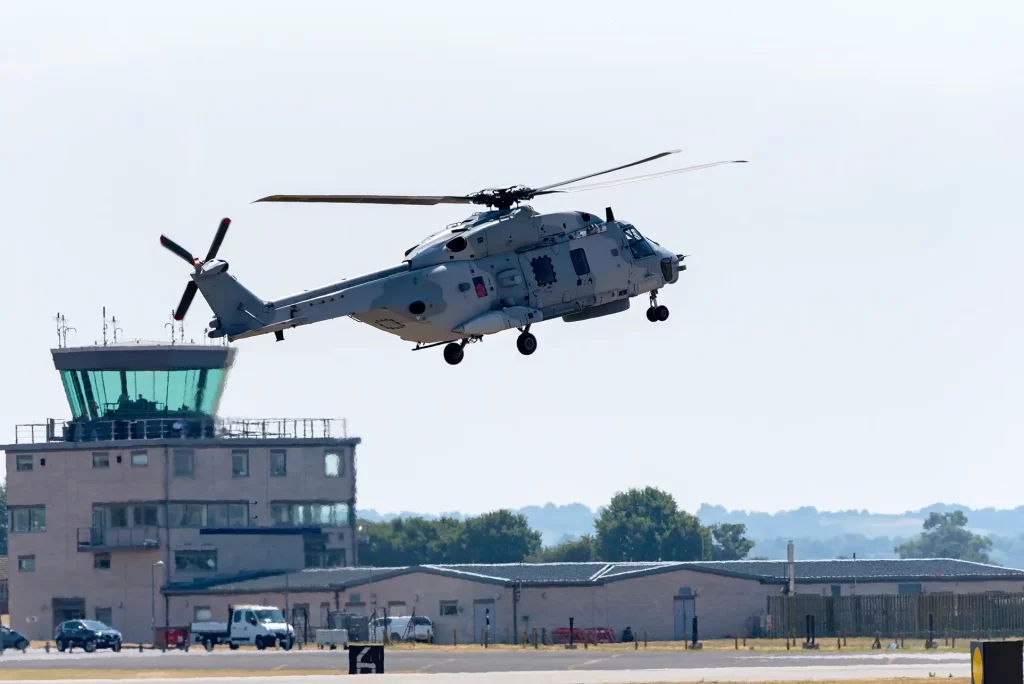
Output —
<point x="261" y="626"/>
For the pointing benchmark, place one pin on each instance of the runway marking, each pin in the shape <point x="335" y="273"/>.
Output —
<point x="430" y="665"/>
<point x="593" y="662"/>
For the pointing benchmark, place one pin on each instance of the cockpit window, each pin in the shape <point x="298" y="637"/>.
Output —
<point x="640" y="247"/>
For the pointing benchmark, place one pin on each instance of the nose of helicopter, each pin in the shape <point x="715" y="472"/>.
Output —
<point x="671" y="264"/>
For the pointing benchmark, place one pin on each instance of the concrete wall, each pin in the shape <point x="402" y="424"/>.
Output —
<point x="69" y="486"/>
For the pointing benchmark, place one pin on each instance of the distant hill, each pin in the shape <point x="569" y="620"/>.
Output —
<point x="815" y="534"/>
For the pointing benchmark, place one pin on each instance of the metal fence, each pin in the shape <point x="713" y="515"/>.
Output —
<point x="181" y="428"/>
<point x="977" y="615"/>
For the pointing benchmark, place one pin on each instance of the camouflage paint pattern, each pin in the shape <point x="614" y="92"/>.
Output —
<point x="524" y="265"/>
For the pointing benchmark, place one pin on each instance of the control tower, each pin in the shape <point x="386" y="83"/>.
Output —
<point x="142" y="391"/>
<point x="145" y="484"/>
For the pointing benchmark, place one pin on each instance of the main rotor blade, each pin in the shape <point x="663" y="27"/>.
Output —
<point x="177" y="249"/>
<point x="601" y="173"/>
<point x="634" y="179"/>
<point x="222" y="230"/>
<point x="186" y="300"/>
<point x="370" y="199"/>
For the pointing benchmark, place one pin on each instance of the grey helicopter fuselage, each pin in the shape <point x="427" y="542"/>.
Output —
<point x="495" y="270"/>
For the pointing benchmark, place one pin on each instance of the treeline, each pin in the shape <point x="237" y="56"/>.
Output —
<point x="637" y="525"/>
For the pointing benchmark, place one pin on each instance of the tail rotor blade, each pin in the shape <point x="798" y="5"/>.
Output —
<point x="186" y="301"/>
<point x="177" y="249"/>
<point x="222" y="230"/>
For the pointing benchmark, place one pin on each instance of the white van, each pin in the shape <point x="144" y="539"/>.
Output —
<point x="402" y="628"/>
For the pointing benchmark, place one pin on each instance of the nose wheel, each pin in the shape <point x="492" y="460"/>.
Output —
<point x="656" y="313"/>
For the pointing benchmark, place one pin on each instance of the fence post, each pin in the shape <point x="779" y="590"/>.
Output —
<point x="455" y="637"/>
<point x="695" y="640"/>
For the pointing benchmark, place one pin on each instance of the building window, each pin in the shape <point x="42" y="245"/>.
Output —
<point x="101" y="561"/>
<point x="106" y="616"/>
<point x="227" y="515"/>
<point x="837" y="590"/>
<point x="184" y="462"/>
<point x="240" y="463"/>
<point x="908" y="589"/>
<point x="278" y="463"/>
<point x="23" y="463"/>
<point x="332" y="464"/>
<point x="118" y="516"/>
<point x="202" y="614"/>
<point x="195" y="561"/>
<point x="26" y="563"/>
<point x="140" y="459"/>
<point x="318" y="514"/>
<point x="100" y="459"/>
<point x="319" y="556"/>
<point x="31" y="519"/>
<point x="449" y="608"/>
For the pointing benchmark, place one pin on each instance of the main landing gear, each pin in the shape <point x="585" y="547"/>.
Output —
<point x="656" y="313"/>
<point x="454" y="352"/>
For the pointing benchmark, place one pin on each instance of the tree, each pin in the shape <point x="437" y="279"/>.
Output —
<point x="500" y="537"/>
<point x="646" y="525"/>
<point x="946" y="536"/>
<point x="579" y="550"/>
<point x="728" y="542"/>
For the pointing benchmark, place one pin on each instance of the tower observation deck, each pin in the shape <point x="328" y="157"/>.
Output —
<point x="141" y="391"/>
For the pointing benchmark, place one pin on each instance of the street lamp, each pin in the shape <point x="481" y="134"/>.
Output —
<point x="158" y="563"/>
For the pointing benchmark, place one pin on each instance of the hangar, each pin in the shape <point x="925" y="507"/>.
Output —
<point x="660" y="598"/>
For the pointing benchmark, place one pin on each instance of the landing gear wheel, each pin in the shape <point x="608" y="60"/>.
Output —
<point x="662" y="313"/>
<point x="453" y="353"/>
<point x="652" y="314"/>
<point x="526" y="343"/>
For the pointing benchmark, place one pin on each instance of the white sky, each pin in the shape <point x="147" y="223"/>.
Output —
<point x="849" y="331"/>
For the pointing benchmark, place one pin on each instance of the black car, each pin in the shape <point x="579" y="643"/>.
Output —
<point x="12" y="639"/>
<point x="87" y="634"/>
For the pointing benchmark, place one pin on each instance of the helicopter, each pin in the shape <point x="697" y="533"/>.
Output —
<point x="508" y="266"/>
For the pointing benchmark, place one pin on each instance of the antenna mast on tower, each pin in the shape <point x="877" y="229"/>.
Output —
<point x="62" y="331"/>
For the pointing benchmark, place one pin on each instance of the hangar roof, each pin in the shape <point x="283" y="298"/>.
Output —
<point x="590" y="574"/>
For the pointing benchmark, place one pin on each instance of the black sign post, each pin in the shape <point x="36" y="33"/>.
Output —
<point x="366" y="659"/>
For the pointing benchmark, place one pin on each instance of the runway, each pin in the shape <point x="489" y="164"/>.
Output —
<point x="553" y="667"/>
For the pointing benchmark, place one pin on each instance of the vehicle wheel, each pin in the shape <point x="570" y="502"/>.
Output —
<point x="526" y="343"/>
<point x="396" y="637"/>
<point x="116" y="647"/>
<point x="453" y="353"/>
<point x="652" y="314"/>
<point x="61" y="645"/>
<point x="286" y="644"/>
<point x="90" y="646"/>
<point x="22" y="645"/>
<point x="259" y="644"/>
<point x="662" y="313"/>
<point x="233" y="646"/>
<point x="208" y="644"/>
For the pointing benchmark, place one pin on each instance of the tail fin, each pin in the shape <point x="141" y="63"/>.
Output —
<point x="238" y="311"/>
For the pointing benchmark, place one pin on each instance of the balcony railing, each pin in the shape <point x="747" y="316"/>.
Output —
<point x="54" y="430"/>
<point x="113" y="538"/>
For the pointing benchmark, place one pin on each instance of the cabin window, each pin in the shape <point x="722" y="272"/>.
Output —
<point x="579" y="262"/>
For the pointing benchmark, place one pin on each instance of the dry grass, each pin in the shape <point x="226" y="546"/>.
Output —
<point x="858" y="645"/>
<point x="8" y="674"/>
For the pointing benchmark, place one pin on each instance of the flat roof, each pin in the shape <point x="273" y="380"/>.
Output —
<point x="129" y="356"/>
<point x="595" y="574"/>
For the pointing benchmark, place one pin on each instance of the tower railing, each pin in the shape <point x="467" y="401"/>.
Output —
<point x="185" y="428"/>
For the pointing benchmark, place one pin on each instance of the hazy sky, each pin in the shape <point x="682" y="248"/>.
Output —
<point x="848" y="334"/>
